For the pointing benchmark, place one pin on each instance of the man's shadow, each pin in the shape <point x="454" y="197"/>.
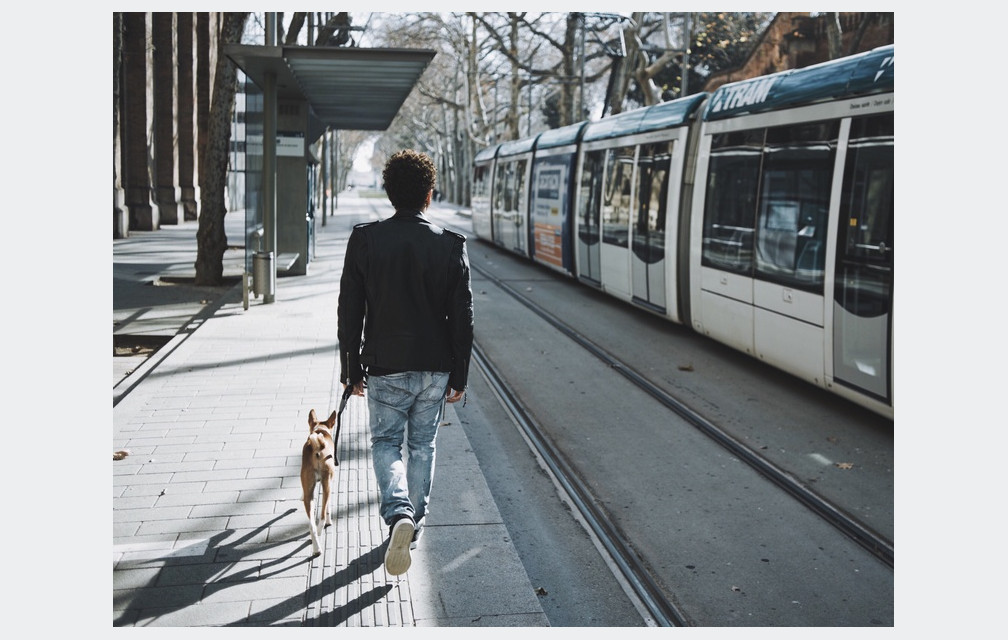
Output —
<point x="358" y="567"/>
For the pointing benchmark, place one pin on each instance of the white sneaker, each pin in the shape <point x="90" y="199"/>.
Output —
<point x="397" y="555"/>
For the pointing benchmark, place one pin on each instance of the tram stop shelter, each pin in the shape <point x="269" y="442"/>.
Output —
<point x="305" y="90"/>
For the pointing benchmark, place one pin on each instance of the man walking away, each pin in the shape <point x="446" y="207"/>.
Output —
<point x="405" y="330"/>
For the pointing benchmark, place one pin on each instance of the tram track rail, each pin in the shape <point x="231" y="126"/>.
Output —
<point x="842" y="521"/>
<point x="663" y="611"/>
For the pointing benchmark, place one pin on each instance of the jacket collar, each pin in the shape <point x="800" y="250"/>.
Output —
<point x="409" y="214"/>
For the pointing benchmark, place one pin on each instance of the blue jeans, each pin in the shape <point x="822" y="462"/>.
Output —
<point x="413" y="400"/>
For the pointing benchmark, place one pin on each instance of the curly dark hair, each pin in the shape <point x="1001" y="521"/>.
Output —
<point x="409" y="176"/>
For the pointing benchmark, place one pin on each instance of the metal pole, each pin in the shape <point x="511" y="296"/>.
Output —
<point x="687" y="40"/>
<point x="325" y="174"/>
<point x="333" y="141"/>
<point x="269" y="170"/>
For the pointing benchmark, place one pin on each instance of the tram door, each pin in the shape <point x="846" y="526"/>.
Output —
<point x="862" y="309"/>
<point x="648" y="235"/>
<point x="510" y="205"/>
<point x="617" y="210"/>
<point x="589" y="235"/>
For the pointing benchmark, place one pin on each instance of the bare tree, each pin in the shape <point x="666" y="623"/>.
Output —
<point x="441" y="115"/>
<point x="524" y="47"/>
<point x="211" y="239"/>
<point x="499" y="76"/>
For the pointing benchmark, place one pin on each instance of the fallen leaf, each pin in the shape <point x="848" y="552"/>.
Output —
<point x="845" y="465"/>
<point x="686" y="367"/>
<point x="119" y="455"/>
<point x="540" y="591"/>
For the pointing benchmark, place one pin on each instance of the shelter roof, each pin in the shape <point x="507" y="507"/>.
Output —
<point x="346" y="88"/>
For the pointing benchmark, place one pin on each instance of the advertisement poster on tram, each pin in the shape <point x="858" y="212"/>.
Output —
<point x="549" y="206"/>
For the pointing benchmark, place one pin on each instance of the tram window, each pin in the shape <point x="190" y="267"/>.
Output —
<point x="864" y="257"/>
<point x="616" y="200"/>
<point x="730" y="206"/>
<point x="519" y="185"/>
<point x="649" y="225"/>
<point x="509" y="187"/>
<point x="868" y="187"/>
<point x="480" y="183"/>
<point x="794" y="204"/>
<point x="591" y="193"/>
<point x="500" y="187"/>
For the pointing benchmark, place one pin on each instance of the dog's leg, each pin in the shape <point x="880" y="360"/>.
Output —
<point x="308" y="489"/>
<point x="313" y="528"/>
<point x="327" y="481"/>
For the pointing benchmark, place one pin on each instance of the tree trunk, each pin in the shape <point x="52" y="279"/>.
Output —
<point x="211" y="240"/>
<point x="567" y="105"/>
<point x="622" y="73"/>
<point x="833" y="34"/>
<point x="476" y="116"/>
<point x="297" y="23"/>
<point x="512" y="120"/>
<point x="863" y="24"/>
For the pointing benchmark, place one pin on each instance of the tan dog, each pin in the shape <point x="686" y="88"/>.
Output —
<point x="318" y="463"/>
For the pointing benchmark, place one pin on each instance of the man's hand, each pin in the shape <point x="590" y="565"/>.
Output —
<point x="358" y="388"/>
<point x="454" y="395"/>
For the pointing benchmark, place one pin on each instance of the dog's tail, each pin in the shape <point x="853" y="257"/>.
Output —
<point x="317" y="441"/>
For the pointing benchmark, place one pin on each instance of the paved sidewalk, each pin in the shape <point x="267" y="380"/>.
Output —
<point x="208" y="523"/>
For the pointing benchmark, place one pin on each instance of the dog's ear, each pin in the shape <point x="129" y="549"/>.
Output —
<point x="332" y="420"/>
<point x="312" y="420"/>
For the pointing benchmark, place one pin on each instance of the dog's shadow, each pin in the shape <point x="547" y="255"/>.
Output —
<point x="209" y="574"/>
<point x="358" y="567"/>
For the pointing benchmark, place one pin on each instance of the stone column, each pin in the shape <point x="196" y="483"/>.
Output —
<point x="166" y="168"/>
<point x="137" y="118"/>
<point x="120" y="216"/>
<point x="187" y="154"/>
<point x="206" y="63"/>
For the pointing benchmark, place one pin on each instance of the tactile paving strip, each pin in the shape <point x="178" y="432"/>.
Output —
<point x="348" y="586"/>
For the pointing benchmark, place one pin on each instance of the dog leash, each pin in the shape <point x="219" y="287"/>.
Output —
<point x="342" y="405"/>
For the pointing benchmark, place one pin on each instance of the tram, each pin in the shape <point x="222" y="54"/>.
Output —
<point x="760" y="215"/>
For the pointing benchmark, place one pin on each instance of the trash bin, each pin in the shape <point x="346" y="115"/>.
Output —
<point x="263" y="274"/>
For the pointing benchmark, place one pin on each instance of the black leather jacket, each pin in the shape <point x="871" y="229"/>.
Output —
<point x="406" y="289"/>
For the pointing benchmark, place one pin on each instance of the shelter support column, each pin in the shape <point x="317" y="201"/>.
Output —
<point x="269" y="169"/>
